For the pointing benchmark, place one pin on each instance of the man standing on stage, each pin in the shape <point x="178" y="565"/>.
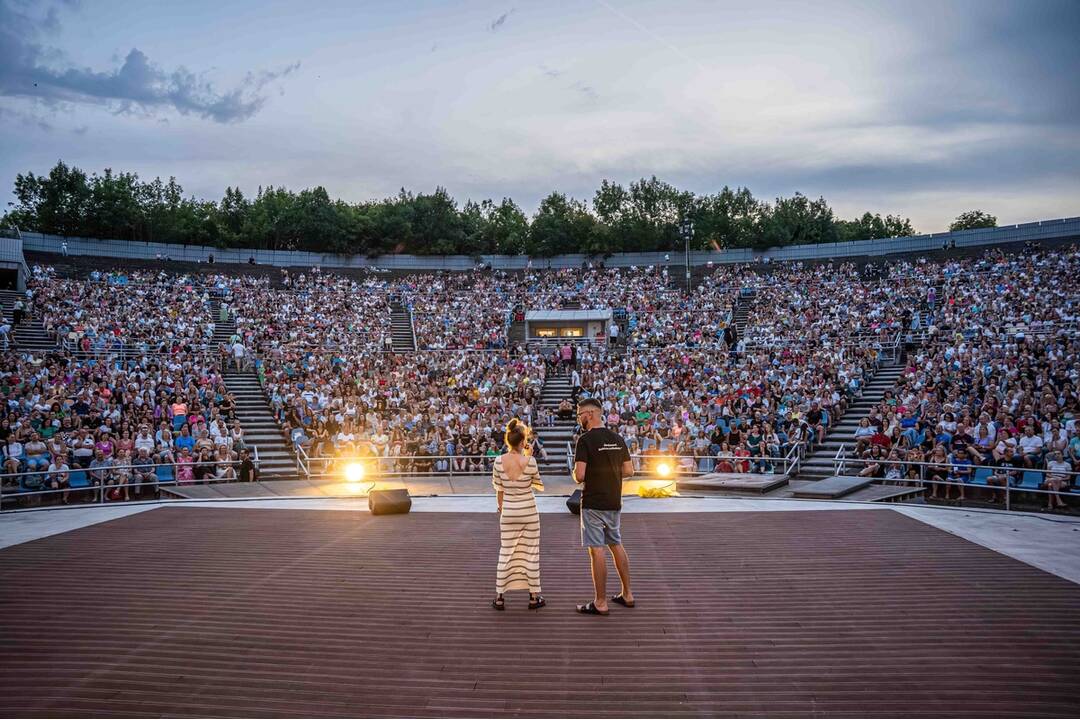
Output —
<point x="601" y="463"/>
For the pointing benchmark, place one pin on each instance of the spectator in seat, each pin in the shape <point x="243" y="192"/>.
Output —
<point x="960" y="471"/>
<point x="204" y="467"/>
<point x="185" y="467"/>
<point x="248" y="472"/>
<point x="185" y="441"/>
<point x="37" y="454"/>
<point x="122" y="475"/>
<point x="1031" y="446"/>
<point x="1008" y="471"/>
<point x="143" y="474"/>
<point x="1057" y="480"/>
<point x="937" y="472"/>
<point x="100" y="472"/>
<point x="58" y="477"/>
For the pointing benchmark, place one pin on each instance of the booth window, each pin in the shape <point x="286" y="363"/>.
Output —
<point x="571" y="332"/>
<point x="545" y="332"/>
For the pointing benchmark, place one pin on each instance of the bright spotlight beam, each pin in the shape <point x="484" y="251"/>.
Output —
<point x="354" y="472"/>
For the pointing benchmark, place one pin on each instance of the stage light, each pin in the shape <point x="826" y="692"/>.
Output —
<point x="664" y="470"/>
<point x="354" y="472"/>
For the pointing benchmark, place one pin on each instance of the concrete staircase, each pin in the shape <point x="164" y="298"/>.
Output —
<point x="30" y="335"/>
<point x="401" y="328"/>
<point x="556" y="388"/>
<point x="276" y="459"/>
<point x="741" y="313"/>
<point x="819" y="464"/>
<point x="223" y="331"/>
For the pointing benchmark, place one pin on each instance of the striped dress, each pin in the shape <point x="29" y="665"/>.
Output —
<point x="519" y="556"/>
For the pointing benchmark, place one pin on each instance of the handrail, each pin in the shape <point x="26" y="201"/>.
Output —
<point x="303" y="463"/>
<point x="839" y="458"/>
<point x="1008" y="487"/>
<point x="7" y="494"/>
<point x="793" y="459"/>
<point x="128" y="353"/>
<point x="387" y="465"/>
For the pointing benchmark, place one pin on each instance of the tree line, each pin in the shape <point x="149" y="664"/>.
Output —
<point x="646" y="215"/>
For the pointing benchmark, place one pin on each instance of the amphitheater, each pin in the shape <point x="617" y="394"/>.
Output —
<point x="854" y="494"/>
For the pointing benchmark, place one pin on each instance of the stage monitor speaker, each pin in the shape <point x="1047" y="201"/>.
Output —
<point x="389" y="502"/>
<point x="573" y="503"/>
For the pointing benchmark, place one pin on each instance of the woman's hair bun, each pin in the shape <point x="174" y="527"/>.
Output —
<point x="517" y="432"/>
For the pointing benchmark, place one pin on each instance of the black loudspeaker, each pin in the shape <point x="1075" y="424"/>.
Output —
<point x="389" y="502"/>
<point x="573" y="503"/>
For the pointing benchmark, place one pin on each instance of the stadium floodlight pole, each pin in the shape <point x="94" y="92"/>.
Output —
<point x="687" y="231"/>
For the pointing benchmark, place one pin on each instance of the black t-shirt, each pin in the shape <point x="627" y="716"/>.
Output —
<point x="1012" y="469"/>
<point x="603" y="453"/>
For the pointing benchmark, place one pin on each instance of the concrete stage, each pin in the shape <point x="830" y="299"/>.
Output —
<point x="244" y="610"/>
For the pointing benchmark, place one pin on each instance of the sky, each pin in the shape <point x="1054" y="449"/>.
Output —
<point x="923" y="109"/>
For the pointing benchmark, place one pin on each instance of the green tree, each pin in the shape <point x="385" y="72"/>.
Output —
<point x="973" y="219"/>
<point x="233" y="210"/>
<point x="561" y="225"/>
<point x="54" y="204"/>
<point x="728" y="219"/>
<point x="796" y="221"/>
<point x="874" y="227"/>
<point x="642" y="216"/>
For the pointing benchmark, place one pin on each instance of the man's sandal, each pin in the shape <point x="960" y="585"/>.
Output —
<point x="591" y="609"/>
<point x="620" y="600"/>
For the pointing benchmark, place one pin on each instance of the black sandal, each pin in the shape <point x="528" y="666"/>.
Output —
<point x="620" y="600"/>
<point x="591" y="609"/>
<point x="537" y="603"/>
<point x="498" y="603"/>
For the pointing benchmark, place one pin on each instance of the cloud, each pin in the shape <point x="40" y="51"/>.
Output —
<point x="26" y="118"/>
<point x="586" y="90"/>
<point x="31" y="70"/>
<point x="501" y="20"/>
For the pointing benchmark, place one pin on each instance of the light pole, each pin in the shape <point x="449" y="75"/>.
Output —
<point x="687" y="231"/>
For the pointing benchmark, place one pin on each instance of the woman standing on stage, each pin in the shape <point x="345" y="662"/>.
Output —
<point x="515" y="477"/>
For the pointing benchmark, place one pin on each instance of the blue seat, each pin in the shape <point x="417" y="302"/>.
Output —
<point x="1031" y="480"/>
<point x="981" y="476"/>
<point x="165" y="474"/>
<point x="28" y="485"/>
<point x="647" y="443"/>
<point x="77" y="479"/>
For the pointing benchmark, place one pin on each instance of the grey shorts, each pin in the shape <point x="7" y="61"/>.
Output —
<point x="600" y="528"/>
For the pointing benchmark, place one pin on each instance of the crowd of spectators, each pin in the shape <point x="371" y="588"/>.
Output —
<point x="993" y="383"/>
<point x="992" y="371"/>
<point x="446" y="411"/>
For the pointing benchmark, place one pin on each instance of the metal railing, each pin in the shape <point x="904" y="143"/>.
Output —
<point x="1010" y="486"/>
<point x="395" y="465"/>
<point x="303" y="463"/>
<point x="99" y="482"/>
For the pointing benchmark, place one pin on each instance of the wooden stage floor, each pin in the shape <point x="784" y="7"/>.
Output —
<point x="250" y="612"/>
